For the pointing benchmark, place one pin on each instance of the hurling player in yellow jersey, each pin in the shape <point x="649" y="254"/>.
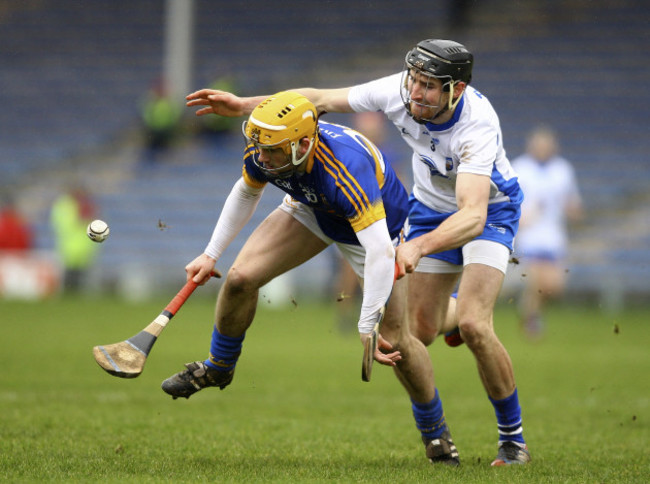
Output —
<point x="339" y="190"/>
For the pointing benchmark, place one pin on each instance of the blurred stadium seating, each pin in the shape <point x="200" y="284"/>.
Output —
<point x="72" y="78"/>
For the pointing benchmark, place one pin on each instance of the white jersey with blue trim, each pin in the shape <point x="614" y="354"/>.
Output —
<point x="470" y="142"/>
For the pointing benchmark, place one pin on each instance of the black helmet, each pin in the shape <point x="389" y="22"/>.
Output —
<point x="442" y="59"/>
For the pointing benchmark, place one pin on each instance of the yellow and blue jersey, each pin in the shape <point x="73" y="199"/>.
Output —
<point x="347" y="183"/>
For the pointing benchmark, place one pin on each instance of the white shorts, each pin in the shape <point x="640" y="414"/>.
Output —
<point x="478" y="251"/>
<point x="354" y="254"/>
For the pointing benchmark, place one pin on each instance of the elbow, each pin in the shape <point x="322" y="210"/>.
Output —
<point x="390" y="251"/>
<point x="477" y="231"/>
<point x="385" y="252"/>
<point x="380" y="252"/>
<point x="478" y="225"/>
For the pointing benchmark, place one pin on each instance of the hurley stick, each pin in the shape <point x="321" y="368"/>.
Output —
<point x="126" y="359"/>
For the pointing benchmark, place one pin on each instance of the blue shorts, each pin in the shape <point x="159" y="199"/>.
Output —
<point x="501" y="226"/>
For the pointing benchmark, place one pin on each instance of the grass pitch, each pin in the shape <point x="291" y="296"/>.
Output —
<point x="298" y="411"/>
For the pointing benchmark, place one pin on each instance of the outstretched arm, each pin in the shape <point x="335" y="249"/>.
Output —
<point x="237" y="211"/>
<point x="328" y="100"/>
<point x="222" y="103"/>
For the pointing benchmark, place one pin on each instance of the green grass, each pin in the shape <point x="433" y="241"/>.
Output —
<point x="298" y="411"/>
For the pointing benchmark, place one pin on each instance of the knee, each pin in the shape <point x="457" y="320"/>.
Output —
<point x="401" y="340"/>
<point x="240" y="281"/>
<point x="424" y="330"/>
<point x="476" y="334"/>
<point x="425" y="335"/>
<point x="396" y="331"/>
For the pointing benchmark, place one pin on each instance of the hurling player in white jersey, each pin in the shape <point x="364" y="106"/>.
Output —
<point x="463" y="216"/>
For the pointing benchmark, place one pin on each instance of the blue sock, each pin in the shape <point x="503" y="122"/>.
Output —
<point x="224" y="351"/>
<point x="429" y="417"/>
<point x="508" y="414"/>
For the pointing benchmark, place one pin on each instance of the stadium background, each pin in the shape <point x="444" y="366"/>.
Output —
<point x="73" y="76"/>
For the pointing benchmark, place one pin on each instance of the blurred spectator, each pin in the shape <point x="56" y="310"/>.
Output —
<point x="15" y="232"/>
<point x="551" y="201"/>
<point x="161" y="119"/>
<point x="70" y="215"/>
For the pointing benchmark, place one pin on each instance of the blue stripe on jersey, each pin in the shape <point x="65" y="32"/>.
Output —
<point x="510" y="187"/>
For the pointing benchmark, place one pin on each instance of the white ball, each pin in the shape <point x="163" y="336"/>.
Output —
<point x="98" y="231"/>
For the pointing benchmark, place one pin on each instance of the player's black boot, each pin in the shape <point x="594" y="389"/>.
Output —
<point x="442" y="449"/>
<point x="195" y="377"/>
<point x="511" y="453"/>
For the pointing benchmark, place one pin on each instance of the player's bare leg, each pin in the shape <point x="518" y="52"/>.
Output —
<point x="277" y="245"/>
<point x="477" y="295"/>
<point x="432" y="310"/>
<point x="414" y="369"/>
<point x="415" y="373"/>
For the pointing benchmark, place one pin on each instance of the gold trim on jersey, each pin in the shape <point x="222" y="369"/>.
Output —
<point x="377" y="156"/>
<point x="250" y="181"/>
<point x="367" y="212"/>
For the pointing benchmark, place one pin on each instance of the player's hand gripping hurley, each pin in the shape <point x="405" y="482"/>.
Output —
<point x="370" y="345"/>
<point x="127" y="358"/>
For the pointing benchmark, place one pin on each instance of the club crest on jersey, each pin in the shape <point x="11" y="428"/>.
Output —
<point x="309" y="194"/>
<point x="434" y="142"/>
<point x="449" y="164"/>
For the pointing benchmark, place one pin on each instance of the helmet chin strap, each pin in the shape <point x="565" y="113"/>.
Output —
<point x="294" y="151"/>
<point x="453" y="102"/>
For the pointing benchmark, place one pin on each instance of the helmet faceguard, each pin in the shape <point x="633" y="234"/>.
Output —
<point x="281" y="122"/>
<point x="446" y="60"/>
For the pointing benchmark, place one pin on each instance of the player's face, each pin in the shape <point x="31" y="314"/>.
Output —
<point x="275" y="160"/>
<point x="426" y="97"/>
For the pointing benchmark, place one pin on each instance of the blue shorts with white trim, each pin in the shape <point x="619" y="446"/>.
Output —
<point x="501" y="226"/>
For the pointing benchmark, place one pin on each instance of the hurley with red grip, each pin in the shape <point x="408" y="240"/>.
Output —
<point x="126" y="359"/>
